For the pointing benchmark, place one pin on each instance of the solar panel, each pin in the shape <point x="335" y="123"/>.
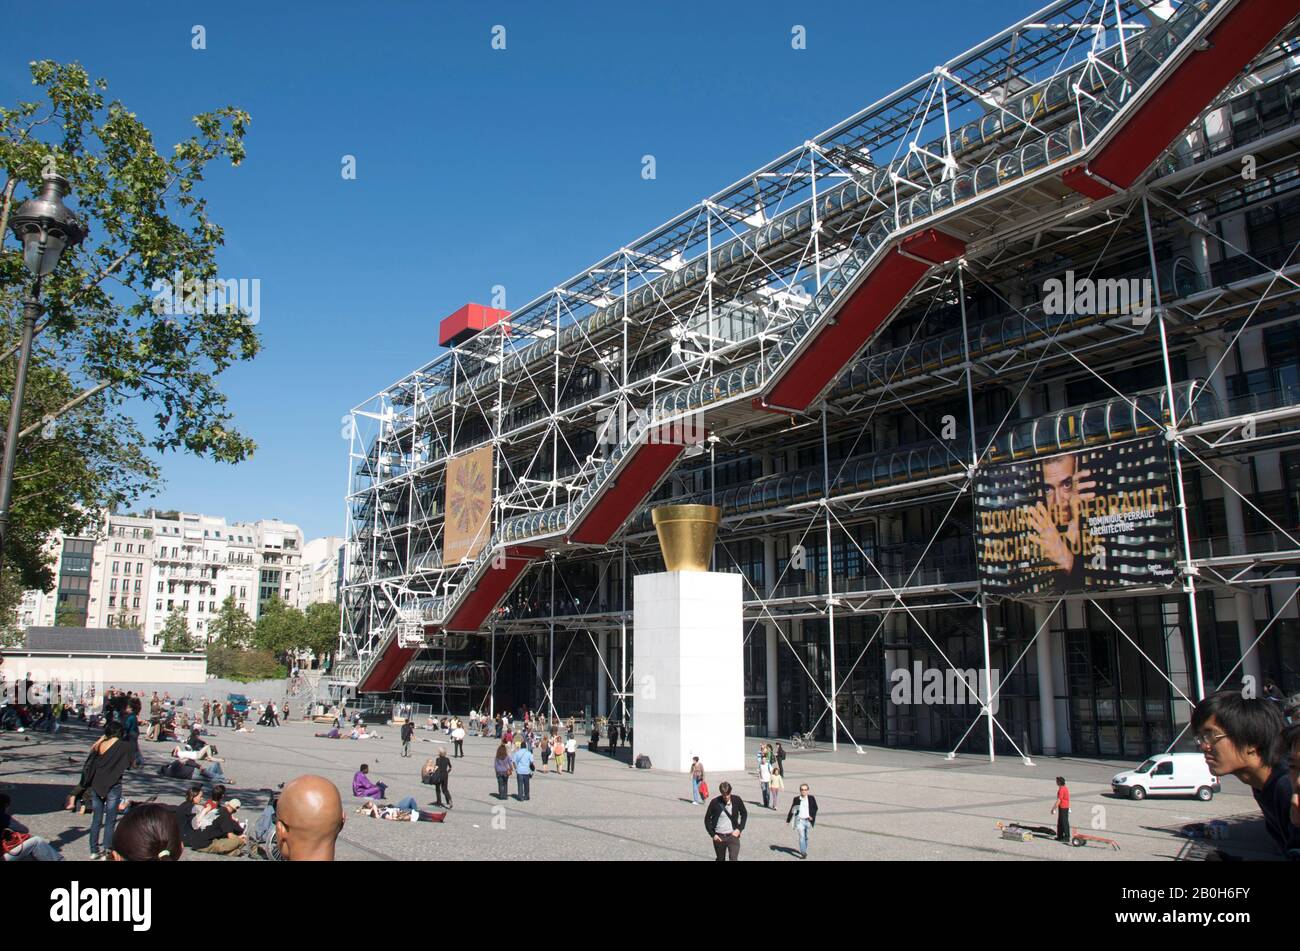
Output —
<point x="100" y="640"/>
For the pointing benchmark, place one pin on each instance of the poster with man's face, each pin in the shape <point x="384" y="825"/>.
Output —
<point x="1091" y="520"/>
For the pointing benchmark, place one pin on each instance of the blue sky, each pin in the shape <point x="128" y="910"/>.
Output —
<point x="475" y="167"/>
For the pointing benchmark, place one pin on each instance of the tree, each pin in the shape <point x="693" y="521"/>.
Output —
<point x="105" y="346"/>
<point x="176" y="637"/>
<point x="68" y="617"/>
<point x="231" y="629"/>
<point x="280" y="628"/>
<point x="322" y="627"/>
<point x="243" y="665"/>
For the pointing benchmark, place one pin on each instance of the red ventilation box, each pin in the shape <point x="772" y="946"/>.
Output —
<point x="466" y="322"/>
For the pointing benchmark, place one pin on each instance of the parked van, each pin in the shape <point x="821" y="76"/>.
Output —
<point x="1169" y="774"/>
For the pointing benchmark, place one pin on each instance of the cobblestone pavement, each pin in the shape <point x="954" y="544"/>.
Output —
<point x="881" y="804"/>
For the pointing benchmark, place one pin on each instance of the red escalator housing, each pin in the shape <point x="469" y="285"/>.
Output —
<point x="639" y="475"/>
<point x="495" y="584"/>
<point x="1240" y="36"/>
<point x="864" y="313"/>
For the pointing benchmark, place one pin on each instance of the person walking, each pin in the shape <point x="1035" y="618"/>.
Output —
<point x="775" y="784"/>
<point x="504" y="767"/>
<point x="724" y="821"/>
<point x="408" y="731"/>
<point x="230" y="713"/>
<point x="779" y="757"/>
<point x="102" y="775"/>
<point x="207" y="711"/>
<point x="441" y="776"/>
<point x="523" y="760"/>
<point x="458" y="739"/>
<point x="570" y="750"/>
<point x="545" y="752"/>
<point x="765" y="781"/>
<point x="1062" y="809"/>
<point x="697" y="780"/>
<point x="803" y="812"/>
<point x="557" y="751"/>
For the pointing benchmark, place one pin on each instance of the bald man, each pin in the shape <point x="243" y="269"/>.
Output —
<point x="308" y="819"/>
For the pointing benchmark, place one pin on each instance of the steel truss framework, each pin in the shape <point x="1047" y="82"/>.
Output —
<point x="688" y="337"/>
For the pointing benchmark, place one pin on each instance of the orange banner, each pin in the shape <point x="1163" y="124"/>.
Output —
<point x="467" y="526"/>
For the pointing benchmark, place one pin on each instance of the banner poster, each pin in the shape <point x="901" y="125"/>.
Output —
<point x="469" y="505"/>
<point x="1087" y="521"/>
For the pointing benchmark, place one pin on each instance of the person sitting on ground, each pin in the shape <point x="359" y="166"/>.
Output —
<point x="308" y="819"/>
<point x="147" y="833"/>
<point x="359" y="733"/>
<point x="191" y="838"/>
<point x="408" y="810"/>
<point x="364" y="787"/>
<point x="17" y="842"/>
<point x="1240" y="736"/>
<point x="217" y="819"/>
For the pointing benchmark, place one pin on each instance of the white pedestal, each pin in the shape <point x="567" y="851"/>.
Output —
<point x="688" y="670"/>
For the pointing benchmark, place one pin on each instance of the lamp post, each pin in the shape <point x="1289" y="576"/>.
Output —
<point x="45" y="227"/>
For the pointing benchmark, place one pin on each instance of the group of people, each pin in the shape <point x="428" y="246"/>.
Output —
<point x="726" y="817"/>
<point x="771" y="772"/>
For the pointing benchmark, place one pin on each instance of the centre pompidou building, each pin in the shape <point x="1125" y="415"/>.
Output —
<point x="996" y="383"/>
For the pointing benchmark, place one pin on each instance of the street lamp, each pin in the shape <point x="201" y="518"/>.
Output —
<point x="46" y="228"/>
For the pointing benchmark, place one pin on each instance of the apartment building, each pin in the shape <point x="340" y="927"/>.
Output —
<point x="139" y="569"/>
<point x="321" y="569"/>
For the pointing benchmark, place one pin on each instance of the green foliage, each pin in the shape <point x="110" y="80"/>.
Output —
<point x="280" y="628"/>
<point x="176" y="637"/>
<point x="322" y="627"/>
<point x="67" y="617"/>
<point x="232" y="629"/>
<point x="103" y="339"/>
<point x="243" y="665"/>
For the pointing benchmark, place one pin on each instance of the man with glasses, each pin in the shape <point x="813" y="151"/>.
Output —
<point x="1238" y="737"/>
<point x="804" y="813"/>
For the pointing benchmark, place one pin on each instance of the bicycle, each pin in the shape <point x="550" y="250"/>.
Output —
<point x="804" y="741"/>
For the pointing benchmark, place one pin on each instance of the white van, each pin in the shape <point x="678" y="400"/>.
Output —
<point x="1169" y="774"/>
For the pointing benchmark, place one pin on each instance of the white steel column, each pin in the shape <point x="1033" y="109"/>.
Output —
<point x="1046" y="681"/>
<point x="1229" y="470"/>
<point x="830" y="584"/>
<point x="987" y="699"/>
<point x="602" y="648"/>
<point x="771" y="635"/>
<point x="1171" y="433"/>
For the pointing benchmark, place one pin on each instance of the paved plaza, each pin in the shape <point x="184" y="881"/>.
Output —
<point x="882" y="804"/>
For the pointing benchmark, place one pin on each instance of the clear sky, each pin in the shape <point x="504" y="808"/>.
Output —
<point x="475" y="167"/>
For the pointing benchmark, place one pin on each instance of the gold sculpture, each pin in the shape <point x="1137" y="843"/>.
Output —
<point x="686" y="534"/>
